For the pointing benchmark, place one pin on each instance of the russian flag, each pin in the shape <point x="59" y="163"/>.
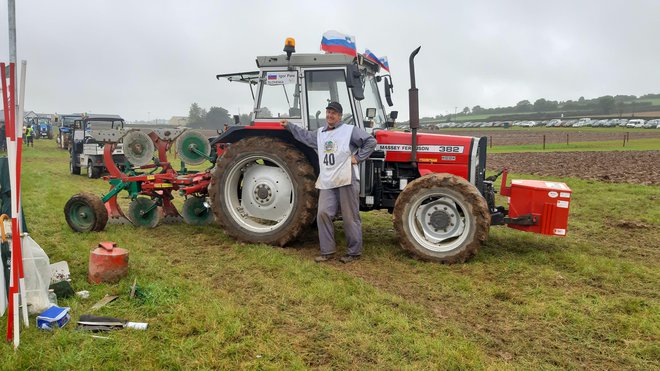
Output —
<point x="337" y="42"/>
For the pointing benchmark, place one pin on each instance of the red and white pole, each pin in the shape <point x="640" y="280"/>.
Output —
<point x="14" y="128"/>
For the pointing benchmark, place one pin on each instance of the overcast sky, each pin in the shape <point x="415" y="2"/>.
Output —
<point x="153" y="58"/>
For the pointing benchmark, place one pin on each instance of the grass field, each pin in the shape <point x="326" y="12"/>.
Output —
<point x="589" y="300"/>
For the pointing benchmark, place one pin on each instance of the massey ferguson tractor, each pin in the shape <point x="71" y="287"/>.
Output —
<point x="262" y="188"/>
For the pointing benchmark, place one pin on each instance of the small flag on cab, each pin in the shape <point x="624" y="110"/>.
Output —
<point x="382" y="62"/>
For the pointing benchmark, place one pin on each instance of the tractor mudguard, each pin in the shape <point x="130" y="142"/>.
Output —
<point x="268" y="130"/>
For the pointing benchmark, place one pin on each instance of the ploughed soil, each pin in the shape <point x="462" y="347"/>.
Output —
<point x="638" y="167"/>
<point x="506" y="137"/>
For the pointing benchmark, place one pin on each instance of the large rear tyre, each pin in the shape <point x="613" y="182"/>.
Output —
<point x="441" y="217"/>
<point x="262" y="191"/>
<point x="85" y="212"/>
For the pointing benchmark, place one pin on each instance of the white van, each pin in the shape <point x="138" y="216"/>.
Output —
<point x="636" y="123"/>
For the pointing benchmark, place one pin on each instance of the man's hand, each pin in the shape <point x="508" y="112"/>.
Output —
<point x="284" y="123"/>
<point x="354" y="160"/>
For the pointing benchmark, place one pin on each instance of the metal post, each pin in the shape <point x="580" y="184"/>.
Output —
<point x="11" y="5"/>
<point x="624" y="140"/>
<point x="544" y="142"/>
<point x="491" y="141"/>
<point x="566" y="138"/>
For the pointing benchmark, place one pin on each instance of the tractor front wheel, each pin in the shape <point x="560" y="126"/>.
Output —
<point x="85" y="212"/>
<point x="441" y="217"/>
<point x="262" y="191"/>
<point x="73" y="168"/>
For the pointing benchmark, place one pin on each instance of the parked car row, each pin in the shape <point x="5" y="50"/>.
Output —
<point x="583" y="122"/>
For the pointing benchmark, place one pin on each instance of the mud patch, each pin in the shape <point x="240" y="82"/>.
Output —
<point x="636" y="167"/>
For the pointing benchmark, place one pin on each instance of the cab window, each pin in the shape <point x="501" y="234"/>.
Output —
<point x="323" y="87"/>
<point x="280" y="95"/>
<point x="372" y="100"/>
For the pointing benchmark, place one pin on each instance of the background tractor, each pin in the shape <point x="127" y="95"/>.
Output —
<point x="65" y="129"/>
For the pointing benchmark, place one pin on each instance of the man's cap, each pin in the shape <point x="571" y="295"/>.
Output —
<point x="335" y="106"/>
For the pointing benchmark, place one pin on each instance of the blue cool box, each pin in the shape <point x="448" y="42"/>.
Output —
<point x="53" y="317"/>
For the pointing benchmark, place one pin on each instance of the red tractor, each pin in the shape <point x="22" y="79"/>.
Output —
<point x="262" y="187"/>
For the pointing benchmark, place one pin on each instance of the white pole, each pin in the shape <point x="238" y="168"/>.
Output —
<point x="19" y="128"/>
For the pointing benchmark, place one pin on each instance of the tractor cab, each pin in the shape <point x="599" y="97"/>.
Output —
<point x="299" y="87"/>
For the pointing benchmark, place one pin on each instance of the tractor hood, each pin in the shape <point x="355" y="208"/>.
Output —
<point x="434" y="151"/>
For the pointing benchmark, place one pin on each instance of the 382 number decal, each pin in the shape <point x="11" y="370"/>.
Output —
<point x="450" y="149"/>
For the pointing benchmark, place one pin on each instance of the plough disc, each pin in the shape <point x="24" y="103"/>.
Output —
<point x="144" y="212"/>
<point x="195" y="211"/>
<point x="138" y="148"/>
<point x="193" y="147"/>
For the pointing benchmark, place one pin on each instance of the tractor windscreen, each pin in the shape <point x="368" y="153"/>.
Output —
<point x="372" y="100"/>
<point x="68" y="121"/>
<point x="323" y="87"/>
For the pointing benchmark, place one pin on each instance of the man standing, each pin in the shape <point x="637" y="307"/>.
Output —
<point x="29" y="134"/>
<point x="340" y="148"/>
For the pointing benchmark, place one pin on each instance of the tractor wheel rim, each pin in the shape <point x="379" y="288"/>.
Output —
<point x="439" y="222"/>
<point x="253" y="203"/>
<point x="82" y="215"/>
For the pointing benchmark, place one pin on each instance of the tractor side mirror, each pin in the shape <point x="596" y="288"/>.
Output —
<point x="371" y="113"/>
<point x="237" y="119"/>
<point x="353" y="81"/>
<point x="389" y="88"/>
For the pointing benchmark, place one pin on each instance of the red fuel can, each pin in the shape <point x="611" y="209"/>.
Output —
<point x="107" y="263"/>
<point x="547" y="200"/>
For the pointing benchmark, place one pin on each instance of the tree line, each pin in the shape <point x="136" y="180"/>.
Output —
<point x="215" y="118"/>
<point x="605" y="105"/>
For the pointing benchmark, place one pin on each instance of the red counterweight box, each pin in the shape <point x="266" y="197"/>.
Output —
<point x="549" y="201"/>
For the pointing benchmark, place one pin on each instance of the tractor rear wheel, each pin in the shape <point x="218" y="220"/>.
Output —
<point x="441" y="217"/>
<point x="92" y="171"/>
<point x="85" y="212"/>
<point x="262" y="191"/>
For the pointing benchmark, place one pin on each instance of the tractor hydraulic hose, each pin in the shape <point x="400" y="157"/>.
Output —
<point x="413" y="104"/>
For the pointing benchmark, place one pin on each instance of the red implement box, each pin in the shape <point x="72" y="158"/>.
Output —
<point x="549" y="201"/>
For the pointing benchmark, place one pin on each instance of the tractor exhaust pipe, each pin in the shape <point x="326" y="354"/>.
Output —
<point x="413" y="104"/>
